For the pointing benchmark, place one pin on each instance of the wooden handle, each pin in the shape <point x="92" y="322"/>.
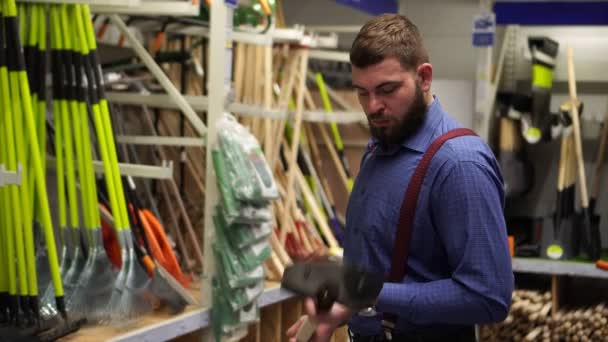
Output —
<point x="267" y="100"/>
<point x="286" y="91"/>
<point x="508" y="135"/>
<point x="316" y="158"/>
<point x="577" y="131"/>
<point x="329" y="145"/>
<point x="239" y="73"/>
<point x="599" y="160"/>
<point x="561" y="171"/>
<point x="292" y="162"/>
<point x="307" y="329"/>
<point x="316" y="211"/>
<point x="280" y="250"/>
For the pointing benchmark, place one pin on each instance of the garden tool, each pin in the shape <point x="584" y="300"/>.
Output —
<point x="590" y="236"/>
<point x="329" y="282"/>
<point x="544" y="52"/>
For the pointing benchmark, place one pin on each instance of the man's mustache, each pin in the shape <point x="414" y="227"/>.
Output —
<point x="376" y="115"/>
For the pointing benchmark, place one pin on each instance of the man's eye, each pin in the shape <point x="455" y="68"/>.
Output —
<point x="362" y="93"/>
<point x="388" y="90"/>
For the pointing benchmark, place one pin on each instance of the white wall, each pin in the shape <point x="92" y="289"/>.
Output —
<point x="445" y="25"/>
<point x="324" y="12"/>
<point x="456" y="98"/>
<point x="446" y="29"/>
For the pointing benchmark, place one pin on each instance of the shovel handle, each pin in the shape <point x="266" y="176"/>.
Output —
<point x="577" y="131"/>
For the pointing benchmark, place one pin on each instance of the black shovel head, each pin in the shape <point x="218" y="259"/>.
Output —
<point x="351" y="286"/>
<point x="588" y="241"/>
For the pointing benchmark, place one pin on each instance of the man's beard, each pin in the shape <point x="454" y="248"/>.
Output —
<point x="406" y="126"/>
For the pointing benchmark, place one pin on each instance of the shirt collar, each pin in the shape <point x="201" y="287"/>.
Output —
<point x="421" y="140"/>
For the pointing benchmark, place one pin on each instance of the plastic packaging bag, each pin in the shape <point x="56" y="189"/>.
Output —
<point x="250" y="176"/>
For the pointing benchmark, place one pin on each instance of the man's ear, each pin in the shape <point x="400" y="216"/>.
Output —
<point x="424" y="73"/>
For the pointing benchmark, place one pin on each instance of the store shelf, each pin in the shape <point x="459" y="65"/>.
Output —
<point x="329" y="55"/>
<point x="163" y="171"/>
<point x="285" y="35"/>
<point x="560" y="268"/>
<point x="121" y="3"/>
<point x="162" y="326"/>
<point x="145" y="7"/>
<point x="274" y="294"/>
<point x="200" y="104"/>
<point x="160" y="141"/>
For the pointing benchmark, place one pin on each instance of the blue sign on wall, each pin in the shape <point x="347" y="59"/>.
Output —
<point x="484" y="28"/>
<point x="231" y="3"/>
<point x="373" y="7"/>
<point x="551" y="12"/>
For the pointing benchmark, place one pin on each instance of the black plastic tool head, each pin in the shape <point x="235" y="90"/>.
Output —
<point x="545" y="44"/>
<point x="349" y="285"/>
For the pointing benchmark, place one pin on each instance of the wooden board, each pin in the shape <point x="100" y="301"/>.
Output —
<point x="291" y="312"/>
<point x="271" y="327"/>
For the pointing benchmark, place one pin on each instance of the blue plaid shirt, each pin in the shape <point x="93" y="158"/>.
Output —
<point x="459" y="267"/>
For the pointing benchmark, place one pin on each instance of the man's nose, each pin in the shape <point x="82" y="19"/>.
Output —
<point x="375" y="104"/>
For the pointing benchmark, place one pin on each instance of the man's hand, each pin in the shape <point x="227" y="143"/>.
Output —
<point x="326" y="322"/>
<point x="315" y="255"/>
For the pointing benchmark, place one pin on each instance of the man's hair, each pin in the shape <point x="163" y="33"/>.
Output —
<point x="385" y="36"/>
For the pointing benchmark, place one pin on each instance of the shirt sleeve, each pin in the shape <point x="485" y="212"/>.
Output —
<point x="467" y="211"/>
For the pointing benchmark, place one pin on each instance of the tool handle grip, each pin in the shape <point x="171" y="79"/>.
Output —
<point x="601" y="264"/>
<point x="307" y="329"/>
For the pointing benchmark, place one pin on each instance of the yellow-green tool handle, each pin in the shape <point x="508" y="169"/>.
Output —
<point x="30" y="128"/>
<point x="16" y="101"/>
<point x="81" y="21"/>
<point x="75" y="119"/>
<point x="106" y="125"/>
<point x="5" y="215"/>
<point x="334" y="129"/>
<point x="61" y="198"/>
<point x="57" y="43"/>
<point x="14" y="199"/>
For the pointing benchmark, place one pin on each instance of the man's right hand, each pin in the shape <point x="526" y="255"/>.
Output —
<point x="326" y="322"/>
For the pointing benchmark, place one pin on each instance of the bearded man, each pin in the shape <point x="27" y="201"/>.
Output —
<point x="439" y="237"/>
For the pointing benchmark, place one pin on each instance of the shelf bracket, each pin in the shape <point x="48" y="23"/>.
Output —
<point x="152" y="140"/>
<point x="164" y="171"/>
<point x="10" y="178"/>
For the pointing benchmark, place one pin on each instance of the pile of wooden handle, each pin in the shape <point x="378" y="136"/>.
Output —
<point x="531" y="319"/>
<point x="266" y="77"/>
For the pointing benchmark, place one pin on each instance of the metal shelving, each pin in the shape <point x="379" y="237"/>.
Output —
<point x="118" y="3"/>
<point x="557" y="268"/>
<point x="160" y="328"/>
<point x="146" y="7"/>
<point x="201" y="103"/>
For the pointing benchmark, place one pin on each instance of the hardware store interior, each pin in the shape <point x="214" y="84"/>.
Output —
<point x="321" y="170"/>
